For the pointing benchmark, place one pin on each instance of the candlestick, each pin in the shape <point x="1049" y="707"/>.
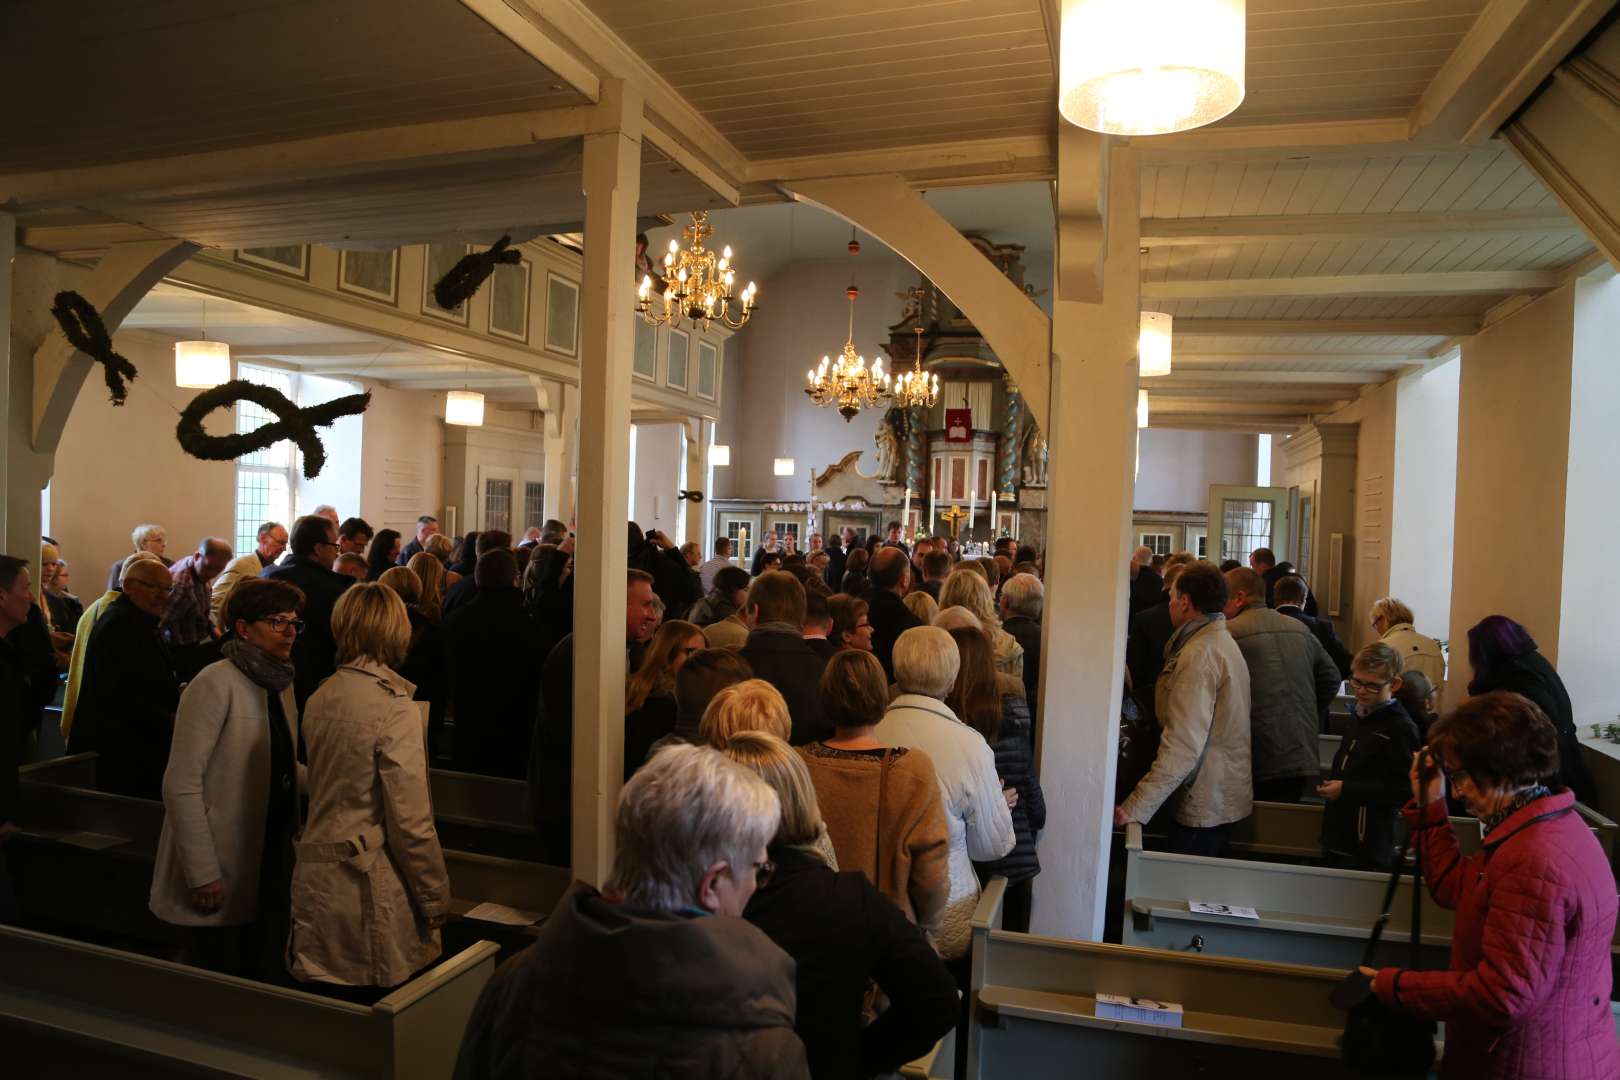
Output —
<point x="933" y="508"/>
<point x="995" y="526"/>
<point x="905" y="515"/>
<point x="973" y="519"/>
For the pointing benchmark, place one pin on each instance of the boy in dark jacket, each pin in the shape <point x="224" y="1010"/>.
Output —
<point x="1370" y="782"/>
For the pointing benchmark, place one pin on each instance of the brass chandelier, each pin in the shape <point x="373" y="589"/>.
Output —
<point x="697" y="285"/>
<point x="846" y="382"/>
<point x="916" y="388"/>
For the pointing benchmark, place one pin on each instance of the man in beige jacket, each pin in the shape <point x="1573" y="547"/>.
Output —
<point x="1202" y="698"/>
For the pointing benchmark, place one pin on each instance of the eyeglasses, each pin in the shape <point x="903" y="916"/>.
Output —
<point x="1373" y="687"/>
<point x="1455" y="777"/>
<point x="281" y="624"/>
<point x="763" y="872"/>
<point x="863" y="625"/>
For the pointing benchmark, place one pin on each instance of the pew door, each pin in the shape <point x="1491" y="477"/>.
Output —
<point x="1244" y="518"/>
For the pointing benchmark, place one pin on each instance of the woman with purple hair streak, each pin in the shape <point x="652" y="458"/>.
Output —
<point x="1504" y="657"/>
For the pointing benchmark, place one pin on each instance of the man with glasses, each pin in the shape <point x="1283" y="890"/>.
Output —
<point x="129" y="690"/>
<point x="314" y="550"/>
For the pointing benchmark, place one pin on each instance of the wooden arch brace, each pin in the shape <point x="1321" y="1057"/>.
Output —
<point x="887" y="207"/>
<point x="125" y="274"/>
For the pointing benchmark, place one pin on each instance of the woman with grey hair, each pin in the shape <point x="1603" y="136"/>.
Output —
<point x="657" y="966"/>
<point x="147" y="537"/>
<point x="978" y="815"/>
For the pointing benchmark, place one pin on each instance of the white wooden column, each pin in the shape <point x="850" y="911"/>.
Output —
<point x="1092" y="438"/>
<point x="607" y="309"/>
<point x="697" y="440"/>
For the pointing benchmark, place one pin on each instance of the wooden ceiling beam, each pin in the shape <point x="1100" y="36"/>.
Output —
<point x="1285" y="228"/>
<point x="1198" y="378"/>
<point x="1351" y="365"/>
<point x="1423" y="326"/>
<point x="1512" y="46"/>
<point x="1460" y="283"/>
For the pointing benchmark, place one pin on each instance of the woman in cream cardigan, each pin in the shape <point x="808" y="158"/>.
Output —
<point x="231" y="792"/>
<point x="369" y="889"/>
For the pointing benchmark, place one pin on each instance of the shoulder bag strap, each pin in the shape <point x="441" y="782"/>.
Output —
<point x="1389" y="903"/>
<point x="1415" y="957"/>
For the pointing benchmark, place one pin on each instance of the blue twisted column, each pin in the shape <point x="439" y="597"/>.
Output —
<point x="1007" y="450"/>
<point x="917" y="453"/>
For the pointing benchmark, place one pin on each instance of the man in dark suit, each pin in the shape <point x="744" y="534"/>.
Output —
<point x="464" y="590"/>
<point x="314" y="549"/>
<point x="1291" y="595"/>
<point x="426" y="526"/>
<point x="936" y="567"/>
<point x="778" y="653"/>
<point x="1264" y="562"/>
<point x="838" y="549"/>
<point x="889" y="578"/>
<point x="1021" y="602"/>
<point x="492" y="648"/>
<point x="818" y="624"/>
<point x="1146" y="587"/>
<point x="129" y="692"/>
<point x="1150" y="631"/>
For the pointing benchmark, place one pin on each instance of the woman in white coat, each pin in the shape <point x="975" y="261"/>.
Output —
<point x="231" y="788"/>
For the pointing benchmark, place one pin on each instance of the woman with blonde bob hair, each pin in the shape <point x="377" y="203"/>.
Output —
<point x="841" y="932"/>
<point x="375" y="921"/>
<point x="751" y="705"/>
<point x="968" y="589"/>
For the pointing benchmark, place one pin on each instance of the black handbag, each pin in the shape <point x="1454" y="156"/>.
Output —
<point x="1379" y="1040"/>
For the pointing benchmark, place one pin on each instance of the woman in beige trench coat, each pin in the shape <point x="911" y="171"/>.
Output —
<point x="369" y="889"/>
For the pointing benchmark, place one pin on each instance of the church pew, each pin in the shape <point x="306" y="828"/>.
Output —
<point x="1034" y="1010"/>
<point x="1308" y="914"/>
<point x="486" y="814"/>
<point x="88" y="1003"/>
<point x="87" y="859"/>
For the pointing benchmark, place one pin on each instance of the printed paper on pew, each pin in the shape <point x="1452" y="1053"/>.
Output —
<point x="500" y="913"/>
<point x="1231" y="911"/>
<point x="1139" y="1010"/>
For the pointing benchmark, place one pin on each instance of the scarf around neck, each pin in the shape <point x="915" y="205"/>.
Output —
<point x="1186" y="630"/>
<point x="265" y="670"/>
<point x="1519" y="801"/>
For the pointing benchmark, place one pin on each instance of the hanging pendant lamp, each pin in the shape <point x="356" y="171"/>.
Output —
<point x="1153" y="344"/>
<point x="202" y="364"/>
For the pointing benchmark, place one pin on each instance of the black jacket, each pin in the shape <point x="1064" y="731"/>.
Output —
<point x="842" y="932"/>
<point x="18" y="710"/>
<point x="492" y="661"/>
<point x="1150" y="632"/>
<point x="314" y="651"/>
<point x="460" y="593"/>
<point x="782" y="658"/>
<point x="837" y="556"/>
<point x="1147" y="589"/>
<point x="408" y="550"/>
<point x="890" y="618"/>
<point x="674" y="582"/>
<point x="1015" y="764"/>
<point x="1375" y="762"/>
<point x="1027" y="632"/>
<point x="644" y="727"/>
<point x="127" y="700"/>
<point x="1531" y="675"/>
<point x="1324" y="632"/>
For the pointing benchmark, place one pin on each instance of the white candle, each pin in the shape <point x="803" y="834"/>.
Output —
<point x="933" y="508"/>
<point x="993" y="525"/>
<point x="973" y="495"/>
<point x="905" y="517"/>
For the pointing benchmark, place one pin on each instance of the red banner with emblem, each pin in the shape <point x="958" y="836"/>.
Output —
<point x="958" y="425"/>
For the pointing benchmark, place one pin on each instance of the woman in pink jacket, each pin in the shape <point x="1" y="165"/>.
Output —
<point x="1527" y="994"/>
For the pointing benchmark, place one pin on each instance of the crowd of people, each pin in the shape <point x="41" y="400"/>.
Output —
<point x="831" y="749"/>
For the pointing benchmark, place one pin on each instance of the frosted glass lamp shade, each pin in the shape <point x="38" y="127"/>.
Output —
<point x="719" y="454"/>
<point x="201" y="365"/>
<point x="1141" y="409"/>
<point x="784" y="466"/>
<point x="1153" y="344"/>
<point x="1150" y="67"/>
<point x="464" y="408"/>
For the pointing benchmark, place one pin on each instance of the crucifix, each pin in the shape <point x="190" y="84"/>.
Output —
<point x="954" y="518"/>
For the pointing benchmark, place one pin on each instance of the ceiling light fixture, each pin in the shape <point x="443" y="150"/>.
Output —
<point x="1153" y="343"/>
<point x="464" y="408"/>
<point x="696" y="284"/>
<point x="204" y="364"/>
<point x="846" y="382"/>
<point x="1150" y="67"/>
<point x="719" y="454"/>
<point x="1141" y="409"/>
<point x="783" y="466"/>
<point x="915" y="388"/>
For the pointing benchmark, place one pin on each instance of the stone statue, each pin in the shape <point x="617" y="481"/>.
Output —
<point x="890" y="438"/>
<point x="1032" y="455"/>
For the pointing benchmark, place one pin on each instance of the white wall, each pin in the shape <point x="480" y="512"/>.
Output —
<point x="1179" y="466"/>
<point x="402" y="459"/>
<point x="1591" y="594"/>
<point x="659" y="451"/>
<point x="344" y="441"/>
<point x="120" y="467"/>
<point x="767" y="414"/>
<point x="1425" y="500"/>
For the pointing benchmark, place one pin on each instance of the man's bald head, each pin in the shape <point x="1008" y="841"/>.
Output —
<point x="147" y="583"/>
<point x="891" y="570"/>
<point x="1245" y="589"/>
